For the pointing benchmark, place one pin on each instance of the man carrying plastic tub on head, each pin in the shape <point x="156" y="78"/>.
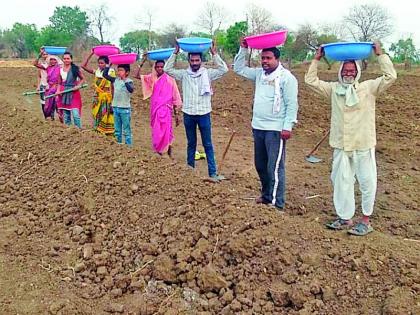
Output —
<point x="274" y="115"/>
<point x="352" y="135"/>
<point x="197" y="92"/>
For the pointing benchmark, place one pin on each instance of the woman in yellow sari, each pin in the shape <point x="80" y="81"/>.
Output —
<point x="103" y="118"/>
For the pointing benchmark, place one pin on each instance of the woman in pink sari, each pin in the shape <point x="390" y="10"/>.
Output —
<point x="164" y="99"/>
<point x="52" y="69"/>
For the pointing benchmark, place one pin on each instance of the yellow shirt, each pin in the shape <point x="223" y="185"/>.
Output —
<point x="353" y="128"/>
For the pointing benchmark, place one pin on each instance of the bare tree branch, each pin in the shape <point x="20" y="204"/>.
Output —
<point x="369" y="22"/>
<point x="259" y="20"/>
<point x="146" y="20"/>
<point x="212" y="17"/>
<point x="100" y="21"/>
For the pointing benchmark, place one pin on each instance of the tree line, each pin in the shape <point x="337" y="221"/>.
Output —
<point x="79" y="30"/>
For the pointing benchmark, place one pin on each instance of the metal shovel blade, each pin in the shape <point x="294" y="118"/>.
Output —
<point x="312" y="159"/>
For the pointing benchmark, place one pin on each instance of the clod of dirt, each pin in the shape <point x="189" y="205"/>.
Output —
<point x="210" y="281"/>
<point x="114" y="308"/>
<point x="101" y="271"/>
<point x="87" y="251"/>
<point x="134" y="187"/>
<point x="164" y="269"/>
<point x="55" y="307"/>
<point x="79" y="267"/>
<point x="116" y="164"/>
<point x="279" y="293"/>
<point x="117" y="292"/>
<point x="77" y="230"/>
<point x="227" y="297"/>
<point x="400" y="301"/>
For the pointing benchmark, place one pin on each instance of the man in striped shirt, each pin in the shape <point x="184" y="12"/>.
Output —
<point x="197" y="92"/>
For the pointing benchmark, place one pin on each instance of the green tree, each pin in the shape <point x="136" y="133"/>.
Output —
<point x="233" y="34"/>
<point x="69" y="23"/>
<point x="405" y="52"/>
<point x="48" y="36"/>
<point x="21" y="39"/>
<point x="136" y="41"/>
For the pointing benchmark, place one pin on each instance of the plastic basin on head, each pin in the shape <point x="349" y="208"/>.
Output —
<point x="54" y="50"/>
<point x="105" y="50"/>
<point x="267" y="40"/>
<point x="194" y="44"/>
<point x="348" y="50"/>
<point x="160" y="54"/>
<point x="119" y="59"/>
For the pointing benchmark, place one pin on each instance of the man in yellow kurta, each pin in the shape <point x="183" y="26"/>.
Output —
<point x="353" y="135"/>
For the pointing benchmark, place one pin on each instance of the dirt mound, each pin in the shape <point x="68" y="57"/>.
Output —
<point x="102" y="228"/>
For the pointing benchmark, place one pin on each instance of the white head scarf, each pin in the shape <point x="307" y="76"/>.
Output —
<point x="346" y="89"/>
<point x="59" y="61"/>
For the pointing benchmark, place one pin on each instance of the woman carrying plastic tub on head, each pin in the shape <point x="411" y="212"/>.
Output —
<point x="164" y="100"/>
<point x="70" y="103"/>
<point x="103" y="118"/>
<point x="41" y="63"/>
<point x="52" y="70"/>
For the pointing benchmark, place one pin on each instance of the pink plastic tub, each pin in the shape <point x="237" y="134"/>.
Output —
<point x="120" y="59"/>
<point x="267" y="40"/>
<point x="105" y="50"/>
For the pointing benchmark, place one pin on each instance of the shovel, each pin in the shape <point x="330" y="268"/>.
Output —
<point x="223" y="160"/>
<point x="312" y="158"/>
<point x="225" y="153"/>
<point x="66" y="91"/>
<point x="30" y="93"/>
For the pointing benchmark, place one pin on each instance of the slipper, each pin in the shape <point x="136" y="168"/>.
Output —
<point x="216" y="178"/>
<point x="261" y="200"/>
<point x="200" y="155"/>
<point x="339" y="224"/>
<point x="361" y="229"/>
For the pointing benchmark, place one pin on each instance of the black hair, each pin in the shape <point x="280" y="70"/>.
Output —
<point x="74" y="68"/>
<point x="195" y="54"/>
<point x="274" y="50"/>
<point x="159" y="61"/>
<point x="104" y="58"/>
<point x="126" y="67"/>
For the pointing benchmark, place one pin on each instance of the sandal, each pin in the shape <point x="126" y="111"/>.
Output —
<point x="361" y="229"/>
<point x="339" y="224"/>
<point x="261" y="200"/>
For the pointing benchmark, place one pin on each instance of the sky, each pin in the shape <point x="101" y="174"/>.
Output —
<point x="126" y="14"/>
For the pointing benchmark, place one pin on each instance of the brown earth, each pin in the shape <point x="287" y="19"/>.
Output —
<point x="91" y="227"/>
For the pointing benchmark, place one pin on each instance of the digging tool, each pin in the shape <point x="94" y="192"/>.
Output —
<point x="310" y="157"/>
<point x="66" y="91"/>
<point x="226" y="151"/>
<point x="31" y="93"/>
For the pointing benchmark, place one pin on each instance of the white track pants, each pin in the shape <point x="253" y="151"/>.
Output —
<point x="347" y="166"/>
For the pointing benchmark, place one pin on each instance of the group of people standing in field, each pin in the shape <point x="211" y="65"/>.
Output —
<point x="275" y="108"/>
<point x="57" y="75"/>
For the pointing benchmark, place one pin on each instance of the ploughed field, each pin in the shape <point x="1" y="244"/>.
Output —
<point x="91" y="227"/>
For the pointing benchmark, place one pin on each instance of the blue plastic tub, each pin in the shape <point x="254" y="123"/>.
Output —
<point x="348" y="50"/>
<point x="194" y="44"/>
<point x="160" y="54"/>
<point x="53" y="50"/>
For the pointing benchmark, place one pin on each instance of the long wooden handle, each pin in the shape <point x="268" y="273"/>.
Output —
<point x="319" y="143"/>
<point x="226" y="150"/>
<point x="65" y="91"/>
<point x="31" y="93"/>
